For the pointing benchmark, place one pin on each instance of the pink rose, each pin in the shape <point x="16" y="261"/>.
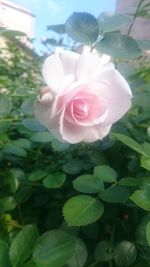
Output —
<point x="83" y="98"/>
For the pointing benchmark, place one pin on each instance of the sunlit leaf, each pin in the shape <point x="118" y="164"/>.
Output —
<point x="142" y="199"/>
<point x="82" y="210"/>
<point x="118" y="45"/>
<point x="82" y="27"/>
<point x="109" y="23"/>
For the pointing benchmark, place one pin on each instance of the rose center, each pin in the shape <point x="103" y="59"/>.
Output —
<point x="80" y="108"/>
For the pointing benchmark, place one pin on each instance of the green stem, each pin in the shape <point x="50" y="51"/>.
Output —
<point x="134" y="17"/>
<point x="15" y="224"/>
<point x="17" y="119"/>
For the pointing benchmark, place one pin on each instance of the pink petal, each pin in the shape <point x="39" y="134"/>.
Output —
<point x="53" y="72"/>
<point x="71" y="133"/>
<point x="86" y="65"/>
<point x="57" y="66"/>
<point x="46" y="98"/>
<point x="68" y="59"/>
<point x="117" y="93"/>
<point x="94" y="112"/>
<point x="96" y="133"/>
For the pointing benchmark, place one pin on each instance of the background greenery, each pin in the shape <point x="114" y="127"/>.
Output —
<point x="75" y="205"/>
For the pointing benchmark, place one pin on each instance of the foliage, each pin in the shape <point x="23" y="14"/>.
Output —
<point x="75" y="205"/>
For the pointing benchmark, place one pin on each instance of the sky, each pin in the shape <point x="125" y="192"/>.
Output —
<point x="50" y="12"/>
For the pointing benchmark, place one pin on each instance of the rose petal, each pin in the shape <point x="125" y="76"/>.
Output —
<point x="86" y="98"/>
<point x="75" y="133"/>
<point x="71" y="133"/>
<point x="95" y="105"/>
<point x="43" y="115"/>
<point x="46" y="99"/>
<point x="86" y="65"/>
<point x="57" y="66"/>
<point x="56" y="133"/>
<point x="68" y="59"/>
<point x="96" y="133"/>
<point x="117" y="93"/>
<point x="53" y="72"/>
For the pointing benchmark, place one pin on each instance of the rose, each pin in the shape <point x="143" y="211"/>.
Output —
<point x="83" y="98"/>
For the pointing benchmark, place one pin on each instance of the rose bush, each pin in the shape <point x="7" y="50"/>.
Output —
<point x="83" y="97"/>
<point x="82" y="205"/>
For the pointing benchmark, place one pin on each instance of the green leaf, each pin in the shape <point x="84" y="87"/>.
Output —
<point x="125" y="253"/>
<point x="73" y="166"/>
<point x="80" y="255"/>
<point x="141" y="231"/>
<point x="29" y="264"/>
<point x="130" y="142"/>
<point x="11" y="180"/>
<point x="17" y="173"/>
<point x="118" y="45"/>
<point x="23" y="143"/>
<point x="112" y="23"/>
<point x="142" y="199"/>
<point x="131" y="182"/>
<point x="27" y="106"/>
<point x="105" y="173"/>
<point x="58" y="146"/>
<point x="5" y="105"/>
<point x="54" y="249"/>
<point x="148" y="233"/>
<point x="11" y="148"/>
<point x="88" y="184"/>
<point x="3" y="30"/>
<point x="55" y="180"/>
<point x="145" y="163"/>
<point x="4" y="256"/>
<point x="13" y="33"/>
<point x="82" y="27"/>
<point x="144" y="44"/>
<point x="82" y="210"/>
<point x="4" y="125"/>
<point x="60" y="29"/>
<point x="22" y="91"/>
<point x="33" y="125"/>
<point x="37" y="175"/>
<point x="42" y="137"/>
<point x="146" y="147"/>
<point x="8" y="203"/>
<point x="115" y="194"/>
<point x="104" y="251"/>
<point x="23" y="245"/>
